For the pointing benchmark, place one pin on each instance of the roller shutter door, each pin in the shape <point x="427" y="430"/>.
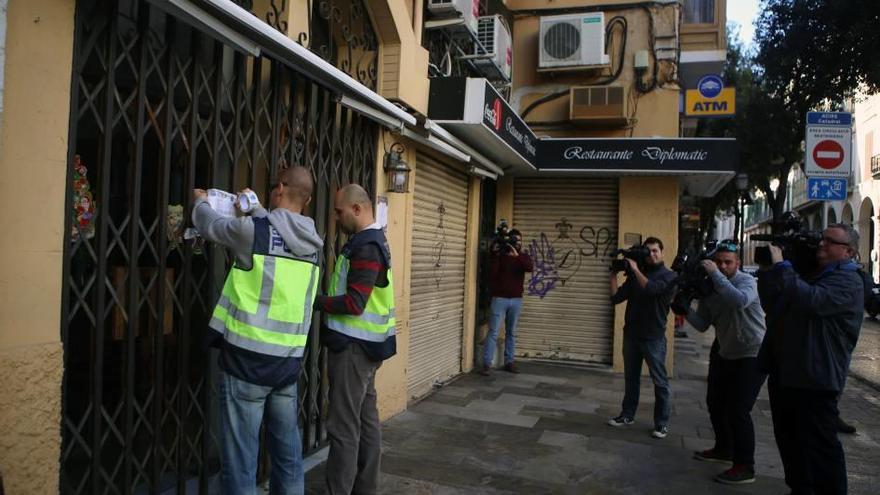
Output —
<point x="569" y="227"/>
<point x="438" y="271"/>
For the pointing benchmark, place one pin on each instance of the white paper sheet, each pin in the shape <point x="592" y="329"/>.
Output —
<point x="382" y="212"/>
<point x="222" y="202"/>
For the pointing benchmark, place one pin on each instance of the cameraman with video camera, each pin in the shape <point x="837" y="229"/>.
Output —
<point x="644" y="332"/>
<point x="813" y="322"/>
<point x="734" y="378"/>
<point x="508" y="265"/>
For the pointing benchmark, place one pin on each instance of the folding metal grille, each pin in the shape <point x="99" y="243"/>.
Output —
<point x="157" y="109"/>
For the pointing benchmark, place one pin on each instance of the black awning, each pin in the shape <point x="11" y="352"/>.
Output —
<point x="474" y="112"/>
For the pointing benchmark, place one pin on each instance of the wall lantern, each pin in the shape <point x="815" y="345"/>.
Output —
<point x="396" y="170"/>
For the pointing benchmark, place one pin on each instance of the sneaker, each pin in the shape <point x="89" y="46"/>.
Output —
<point x="711" y="456"/>
<point x="660" y="431"/>
<point x="739" y="474"/>
<point x="844" y="427"/>
<point x="620" y="421"/>
<point x="511" y="367"/>
<point x="483" y="370"/>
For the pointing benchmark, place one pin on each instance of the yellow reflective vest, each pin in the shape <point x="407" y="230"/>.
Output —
<point x="268" y="309"/>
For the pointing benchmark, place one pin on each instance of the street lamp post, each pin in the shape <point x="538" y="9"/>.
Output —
<point x="742" y="185"/>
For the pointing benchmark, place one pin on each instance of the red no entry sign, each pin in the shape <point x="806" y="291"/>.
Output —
<point x="828" y="154"/>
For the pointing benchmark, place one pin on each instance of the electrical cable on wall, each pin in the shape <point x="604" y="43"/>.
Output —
<point x="615" y="21"/>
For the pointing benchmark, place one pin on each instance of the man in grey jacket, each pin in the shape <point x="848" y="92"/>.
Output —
<point x="261" y="325"/>
<point x="734" y="378"/>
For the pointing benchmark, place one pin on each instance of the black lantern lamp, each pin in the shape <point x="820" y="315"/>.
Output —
<point x="396" y="170"/>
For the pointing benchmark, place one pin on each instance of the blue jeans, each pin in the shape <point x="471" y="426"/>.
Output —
<point x="507" y="309"/>
<point x="241" y="412"/>
<point x="653" y="352"/>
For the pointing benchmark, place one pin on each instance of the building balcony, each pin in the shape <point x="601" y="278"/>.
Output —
<point x="875" y="166"/>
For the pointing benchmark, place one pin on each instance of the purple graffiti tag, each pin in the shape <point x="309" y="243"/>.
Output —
<point x="544" y="274"/>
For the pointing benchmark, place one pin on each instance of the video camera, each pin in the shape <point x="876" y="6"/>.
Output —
<point x="504" y="237"/>
<point x="693" y="281"/>
<point x="798" y="245"/>
<point x="637" y="253"/>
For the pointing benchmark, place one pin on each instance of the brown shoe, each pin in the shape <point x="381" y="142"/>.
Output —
<point x="483" y="370"/>
<point x="511" y="367"/>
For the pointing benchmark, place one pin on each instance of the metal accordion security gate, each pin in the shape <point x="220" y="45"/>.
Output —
<point x="157" y="109"/>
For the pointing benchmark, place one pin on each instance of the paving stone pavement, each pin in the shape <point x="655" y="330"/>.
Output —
<point x="543" y="432"/>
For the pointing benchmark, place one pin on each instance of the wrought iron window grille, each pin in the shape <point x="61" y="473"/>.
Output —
<point x="158" y="108"/>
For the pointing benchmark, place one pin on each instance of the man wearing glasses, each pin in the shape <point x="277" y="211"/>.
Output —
<point x="734" y="376"/>
<point x="813" y="324"/>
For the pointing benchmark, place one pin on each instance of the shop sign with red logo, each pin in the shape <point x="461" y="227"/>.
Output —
<point x="505" y="123"/>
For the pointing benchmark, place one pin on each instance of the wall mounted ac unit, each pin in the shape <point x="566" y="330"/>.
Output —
<point x="598" y="105"/>
<point x="495" y="38"/>
<point x="469" y="10"/>
<point x="574" y="40"/>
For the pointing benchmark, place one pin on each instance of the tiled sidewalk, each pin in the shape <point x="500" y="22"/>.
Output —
<point x="544" y="431"/>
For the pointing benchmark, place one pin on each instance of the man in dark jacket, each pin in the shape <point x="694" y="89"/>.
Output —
<point x="360" y="334"/>
<point x="644" y="333"/>
<point x="812" y="328"/>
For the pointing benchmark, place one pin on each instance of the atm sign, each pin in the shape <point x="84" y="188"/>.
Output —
<point x="698" y="105"/>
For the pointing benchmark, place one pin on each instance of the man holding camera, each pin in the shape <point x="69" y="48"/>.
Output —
<point x="644" y="333"/>
<point x="507" y="268"/>
<point x="735" y="379"/>
<point x="812" y="327"/>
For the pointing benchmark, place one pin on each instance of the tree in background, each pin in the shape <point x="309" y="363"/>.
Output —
<point x="768" y="134"/>
<point x="811" y="51"/>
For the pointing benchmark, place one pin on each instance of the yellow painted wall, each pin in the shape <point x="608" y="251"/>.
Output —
<point x="391" y="381"/>
<point x="33" y="165"/>
<point x="654" y="113"/>
<point x="470" y="276"/>
<point x="637" y="196"/>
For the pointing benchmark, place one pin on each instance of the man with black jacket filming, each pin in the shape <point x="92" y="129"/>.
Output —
<point x="644" y="333"/>
<point x="813" y="324"/>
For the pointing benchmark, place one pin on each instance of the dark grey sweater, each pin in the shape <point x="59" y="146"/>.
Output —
<point x="648" y="308"/>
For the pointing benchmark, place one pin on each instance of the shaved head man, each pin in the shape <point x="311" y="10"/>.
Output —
<point x="354" y="209"/>
<point x="360" y="334"/>
<point x="262" y="340"/>
<point x="292" y="190"/>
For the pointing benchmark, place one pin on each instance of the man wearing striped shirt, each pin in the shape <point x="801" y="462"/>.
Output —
<point x="359" y="336"/>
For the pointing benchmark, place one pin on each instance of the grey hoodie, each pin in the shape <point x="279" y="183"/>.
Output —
<point x="735" y="312"/>
<point x="237" y="234"/>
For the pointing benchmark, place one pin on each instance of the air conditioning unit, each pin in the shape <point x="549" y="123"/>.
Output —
<point x="598" y="105"/>
<point x="575" y="40"/>
<point x="495" y="38"/>
<point x="469" y="10"/>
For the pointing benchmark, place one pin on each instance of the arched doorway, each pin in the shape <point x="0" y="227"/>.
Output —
<point x="832" y="216"/>
<point x="866" y="233"/>
<point x="847" y="216"/>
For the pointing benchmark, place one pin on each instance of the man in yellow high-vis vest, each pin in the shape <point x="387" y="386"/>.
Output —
<point x="261" y="324"/>
<point x="359" y="335"/>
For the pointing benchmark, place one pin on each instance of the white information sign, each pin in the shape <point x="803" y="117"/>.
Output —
<point x="828" y="146"/>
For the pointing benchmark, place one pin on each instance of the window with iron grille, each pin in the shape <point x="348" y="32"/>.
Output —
<point x="157" y="109"/>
